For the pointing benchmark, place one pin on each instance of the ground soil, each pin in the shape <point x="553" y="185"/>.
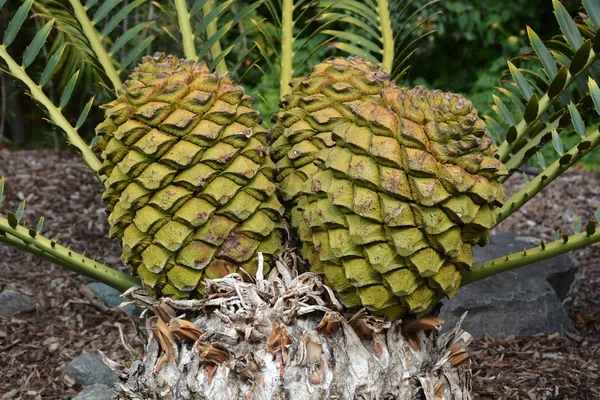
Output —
<point x="38" y="343"/>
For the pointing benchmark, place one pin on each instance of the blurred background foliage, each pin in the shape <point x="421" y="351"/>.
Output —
<point x="466" y="53"/>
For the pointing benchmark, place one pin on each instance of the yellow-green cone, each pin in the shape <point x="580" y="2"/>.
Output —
<point x="189" y="178"/>
<point x="393" y="206"/>
<point x="317" y="103"/>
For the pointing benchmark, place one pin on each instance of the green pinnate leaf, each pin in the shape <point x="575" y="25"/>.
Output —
<point x="37" y="43"/>
<point x="66" y="96"/>
<point x="522" y="84"/>
<point x="593" y="11"/>
<point x="16" y="22"/>
<point x="51" y="66"/>
<point x="594" y="93"/>
<point x="578" y="123"/>
<point x="532" y="109"/>
<point x="598" y="215"/>
<point x="1" y="189"/>
<point x="567" y="25"/>
<point x="558" y="83"/>
<point x="127" y="36"/>
<point x="94" y="141"/>
<point x="40" y="225"/>
<point x="54" y="240"/>
<point x="135" y="52"/>
<point x="557" y="142"/>
<point x="119" y="16"/>
<point x="541" y="160"/>
<point x="84" y="113"/>
<point x="12" y="220"/>
<point x="590" y="228"/>
<point x="577" y="225"/>
<point x="104" y="9"/>
<point x="525" y="177"/>
<point x="511" y="134"/>
<point x="506" y="114"/>
<point x="543" y="53"/>
<point x="2" y="3"/>
<point x="580" y="58"/>
<point x="20" y="211"/>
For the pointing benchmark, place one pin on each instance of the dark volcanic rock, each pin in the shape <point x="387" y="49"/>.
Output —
<point x="112" y="297"/>
<point x="524" y="301"/>
<point x="89" y="369"/>
<point x="95" y="392"/>
<point x="12" y="302"/>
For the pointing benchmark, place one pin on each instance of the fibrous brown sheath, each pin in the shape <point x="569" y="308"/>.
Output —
<point x="190" y="183"/>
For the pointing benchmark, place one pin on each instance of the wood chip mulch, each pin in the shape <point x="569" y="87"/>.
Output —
<point x="38" y="343"/>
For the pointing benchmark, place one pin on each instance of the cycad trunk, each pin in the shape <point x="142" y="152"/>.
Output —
<point x="284" y="338"/>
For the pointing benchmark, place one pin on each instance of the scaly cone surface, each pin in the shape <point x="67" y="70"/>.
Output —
<point x="396" y="203"/>
<point x="190" y="183"/>
<point x="308" y="115"/>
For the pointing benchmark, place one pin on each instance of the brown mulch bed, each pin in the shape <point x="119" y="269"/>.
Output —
<point x="37" y="344"/>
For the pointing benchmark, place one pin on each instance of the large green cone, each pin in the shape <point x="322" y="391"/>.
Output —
<point x="189" y="185"/>
<point x="317" y="103"/>
<point x="396" y="203"/>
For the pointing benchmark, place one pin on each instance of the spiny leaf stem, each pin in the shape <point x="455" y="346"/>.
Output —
<point x="39" y="245"/>
<point x="55" y="113"/>
<point x="95" y="42"/>
<point x="385" y="25"/>
<point x="287" y="51"/>
<point x="211" y="29"/>
<point x="187" y="36"/>
<point x="533" y="187"/>
<point x="545" y="103"/>
<point x="530" y="256"/>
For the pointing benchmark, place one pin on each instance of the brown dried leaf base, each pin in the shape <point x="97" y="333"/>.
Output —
<point x="284" y="337"/>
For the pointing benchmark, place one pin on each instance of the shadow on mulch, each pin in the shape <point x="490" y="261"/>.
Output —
<point x="37" y="344"/>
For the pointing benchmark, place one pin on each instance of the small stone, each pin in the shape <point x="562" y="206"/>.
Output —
<point x="524" y="301"/>
<point x="12" y="302"/>
<point x="89" y="369"/>
<point x="95" y="392"/>
<point x="112" y="297"/>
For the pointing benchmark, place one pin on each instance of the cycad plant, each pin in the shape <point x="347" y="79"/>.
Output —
<point x="379" y="190"/>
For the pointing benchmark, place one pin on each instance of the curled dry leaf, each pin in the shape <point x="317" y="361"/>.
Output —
<point x="165" y="339"/>
<point x="426" y="324"/>
<point x="164" y="311"/>
<point x="330" y="323"/>
<point x="212" y="353"/>
<point x="184" y="329"/>
<point x="278" y="342"/>
<point x="367" y="326"/>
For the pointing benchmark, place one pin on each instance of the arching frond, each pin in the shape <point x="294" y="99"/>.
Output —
<point x="18" y="71"/>
<point x="205" y="24"/>
<point x="14" y="233"/>
<point x="544" y="106"/>
<point x="383" y="31"/>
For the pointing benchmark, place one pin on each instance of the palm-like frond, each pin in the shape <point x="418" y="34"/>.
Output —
<point x="385" y="31"/>
<point x="14" y="233"/>
<point x="205" y="24"/>
<point x="544" y="106"/>
<point x="18" y="71"/>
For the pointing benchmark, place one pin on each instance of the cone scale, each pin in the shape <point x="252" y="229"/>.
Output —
<point x="189" y="179"/>
<point x="390" y="187"/>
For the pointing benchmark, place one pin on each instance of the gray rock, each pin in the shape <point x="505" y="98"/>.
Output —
<point x="89" y="369"/>
<point x="524" y="301"/>
<point x="95" y="392"/>
<point x="12" y="302"/>
<point x="111" y="297"/>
